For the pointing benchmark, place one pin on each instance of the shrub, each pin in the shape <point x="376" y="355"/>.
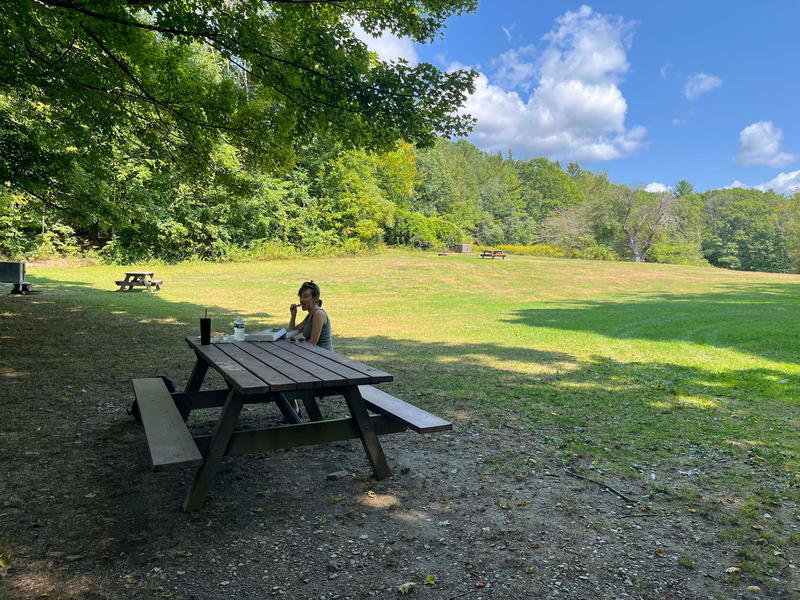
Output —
<point x="58" y="242"/>
<point x="534" y="250"/>
<point x="593" y="252"/>
<point x="679" y="254"/>
<point x="259" y="250"/>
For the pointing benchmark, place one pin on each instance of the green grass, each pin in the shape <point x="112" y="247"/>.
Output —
<point x="639" y="370"/>
<point x="632" y="359"/>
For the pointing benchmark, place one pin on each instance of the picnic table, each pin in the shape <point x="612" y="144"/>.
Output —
<point x="279" y="372"/>
<point x="139" y="279"/>
<point x="488" y="253"/>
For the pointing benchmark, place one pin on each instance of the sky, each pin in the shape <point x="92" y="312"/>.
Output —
<point x="649" y="92"/>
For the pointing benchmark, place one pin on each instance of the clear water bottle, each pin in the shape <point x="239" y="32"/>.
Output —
<point x="238" y="329"/>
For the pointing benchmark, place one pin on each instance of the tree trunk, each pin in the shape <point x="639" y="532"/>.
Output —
<point x="633" y="244"/>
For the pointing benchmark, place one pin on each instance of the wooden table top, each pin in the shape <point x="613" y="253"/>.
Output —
<point x="151" y="273"/>
<point x="262" y="367"/>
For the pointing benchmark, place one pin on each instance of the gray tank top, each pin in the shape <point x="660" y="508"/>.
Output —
<point x="325" y="339"/>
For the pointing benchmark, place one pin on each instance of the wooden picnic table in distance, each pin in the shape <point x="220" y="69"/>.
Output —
<point x="139" y="279"/>
<point x="488" y="253"/>
<point x="279" y="372"/>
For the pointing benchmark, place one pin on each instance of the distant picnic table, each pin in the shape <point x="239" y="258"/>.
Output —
<point x="263" y="372"/>
<point x="139" y="279"/>
<point x="493" y="254"/>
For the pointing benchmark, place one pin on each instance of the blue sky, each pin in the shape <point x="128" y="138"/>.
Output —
<point x="650" y="92"/>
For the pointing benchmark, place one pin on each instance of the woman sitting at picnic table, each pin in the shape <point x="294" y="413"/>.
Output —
<point x="316" y="327"/>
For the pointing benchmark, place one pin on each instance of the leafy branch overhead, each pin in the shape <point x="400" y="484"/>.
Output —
<point x="176" y="78"/>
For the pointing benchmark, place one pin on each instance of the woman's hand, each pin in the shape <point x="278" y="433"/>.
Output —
<point x="293" y="309"/>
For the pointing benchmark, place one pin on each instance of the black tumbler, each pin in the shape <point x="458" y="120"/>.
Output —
<point x="205" y="330"/>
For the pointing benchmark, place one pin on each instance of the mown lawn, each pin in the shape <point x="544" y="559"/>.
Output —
<point x="684" y="377"/>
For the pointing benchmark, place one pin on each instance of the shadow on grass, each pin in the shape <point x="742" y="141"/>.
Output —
<point x="140" y="302"/>
<point x="758" y="319"/>
<point x="76" y="464"/>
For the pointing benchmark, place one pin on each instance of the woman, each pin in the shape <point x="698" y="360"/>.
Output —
<point x="316" y="327"/>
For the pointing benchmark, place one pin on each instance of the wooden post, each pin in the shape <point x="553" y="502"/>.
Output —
<point x="369" y="439"/>
<point x="216" y="450"/>
<point x="197" y="376"/>
<point x="286" y="408"/>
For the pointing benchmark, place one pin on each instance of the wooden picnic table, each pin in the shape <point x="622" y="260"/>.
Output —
<point x="139" y="279"/>
<point x="279" y="372"/>
<point x="489" y="253"/>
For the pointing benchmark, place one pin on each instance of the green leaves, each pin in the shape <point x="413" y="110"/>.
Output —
<point x="182" y="78"/>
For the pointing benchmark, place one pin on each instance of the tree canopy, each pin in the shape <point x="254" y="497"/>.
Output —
<point x="89" y="84"/>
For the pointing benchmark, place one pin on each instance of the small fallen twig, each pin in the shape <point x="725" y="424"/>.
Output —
<point x="600" y="483"/>
<point x="634" y="516"/>
<point x="464" y="594"/>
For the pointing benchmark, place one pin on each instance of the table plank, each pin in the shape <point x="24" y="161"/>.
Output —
<point x="242" y="380"/>
<point x="276" y="380"/>
<point x="350" y="375"/>
<point x="376" y="375"/>
<point x="305" y="373"/>
<point x="324" y="377"/>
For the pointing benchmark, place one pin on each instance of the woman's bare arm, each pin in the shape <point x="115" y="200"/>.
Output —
<point x="317" y="321"/>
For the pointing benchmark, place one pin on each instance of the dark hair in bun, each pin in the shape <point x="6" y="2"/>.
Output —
<point x="313" y="287"/>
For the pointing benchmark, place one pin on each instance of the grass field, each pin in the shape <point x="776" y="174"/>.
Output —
<point x="685" y="378"/>
<point x="646" y="361"/>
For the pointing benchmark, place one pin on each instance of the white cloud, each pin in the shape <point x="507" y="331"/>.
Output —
<point x="684" y="118"/>
<point x="388" y="46"/>
<point x="513" y="68"/>
<point x="657" y="187"/>
<point x="736" y="184"/>
<point x="665" y="70"/>
<point x="576" y="111"/>
<point x="700" y="84"/>
<point x="761" y="145"/>
<point x="782" y="183"/>
<point x="507" y="31"/>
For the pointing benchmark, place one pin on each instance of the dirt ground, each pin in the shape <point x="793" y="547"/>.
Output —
<point x="476" y="513"/>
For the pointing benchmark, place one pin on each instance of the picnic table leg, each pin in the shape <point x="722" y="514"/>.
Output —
<point x="366" y="431"/>
<point x="147" y="284"/>
<point x="123" y="284"/>
<point x="204" y="478"/>
<point x="312" y="408"/>
<point x="286" y="408"/>
<point x="197" y="376"/>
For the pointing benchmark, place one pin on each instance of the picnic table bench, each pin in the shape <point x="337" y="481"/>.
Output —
<point x="139" y="279"/>
<point x="14" y="273"/>
<point x="262" y="372"/>
<point x="493" y="254"/>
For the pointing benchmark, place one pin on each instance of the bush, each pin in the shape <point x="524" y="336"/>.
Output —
<point x="594" y="252"/>
<point x="534" y="250"/>
<point x="259" y="250"/>
<point x="679" y="254"/>
<point x="59" y="242"/>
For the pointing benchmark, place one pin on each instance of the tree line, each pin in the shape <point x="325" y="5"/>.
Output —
<point x="346" y="200"/>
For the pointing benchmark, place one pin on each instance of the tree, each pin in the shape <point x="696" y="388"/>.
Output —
<point x="683" y="188"/>
<point x="642" y="216"/>
<point x="174" y="79"/>
<point x="746" y="229"/>
<point x="546" y="187"/>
